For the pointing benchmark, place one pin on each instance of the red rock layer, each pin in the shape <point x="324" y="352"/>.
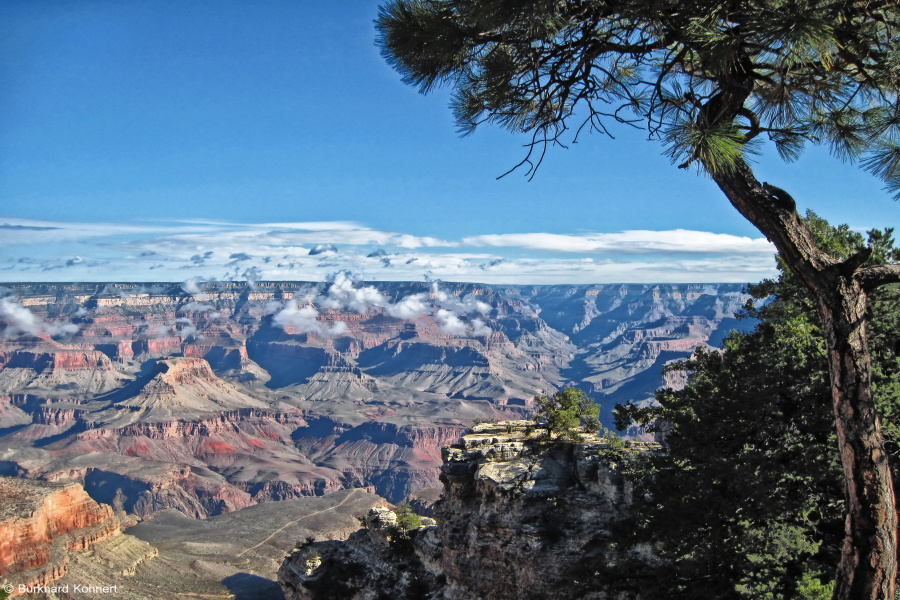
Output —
<point x="41" y="520"/>
<point x="66" y="360"/>
<point x="157" y="346"/>
<point x="166" y="430"/>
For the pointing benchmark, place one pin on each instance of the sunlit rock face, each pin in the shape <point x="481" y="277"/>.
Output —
<point x="216" y="399"/>
<point x="41" y="523"/>
<point x="519" y="518"/>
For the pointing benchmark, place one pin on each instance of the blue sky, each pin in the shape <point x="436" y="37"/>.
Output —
<point x="160" y="141"/>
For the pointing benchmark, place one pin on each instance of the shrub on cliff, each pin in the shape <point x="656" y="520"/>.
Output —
<point x="407" y="520"/>
<point x="561" y="413"/>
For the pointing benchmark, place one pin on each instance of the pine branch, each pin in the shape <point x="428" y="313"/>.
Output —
<point x="873" y="277"/>
<point x="852" y="264"/>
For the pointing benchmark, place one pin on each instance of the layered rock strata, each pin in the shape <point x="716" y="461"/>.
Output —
<point x="212" y="400"/>
<point x="520" y="518"/>
<point x="41" y="522"/>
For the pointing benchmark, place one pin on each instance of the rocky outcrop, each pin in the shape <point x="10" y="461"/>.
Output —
<point x="519" y="518"/>
<point x="41" y="522"/>
<point x="219" y="355"/>
<point x="422" y="501"/>
<point x="157" y="346"/>
<point x="230" y="421"/>
<point x="393" y="459"/>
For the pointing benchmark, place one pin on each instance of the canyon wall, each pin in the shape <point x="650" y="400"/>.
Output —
<point x="217" y="399"/>
<point x="519" y="518"/>
<point x="41" y="523"/>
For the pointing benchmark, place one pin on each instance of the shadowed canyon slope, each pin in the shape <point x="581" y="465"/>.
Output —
<point x="209" y="399"/>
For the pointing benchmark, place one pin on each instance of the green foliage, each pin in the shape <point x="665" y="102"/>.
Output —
<point x="620" y="456"/>
<point x="401" y="534"/>
<point x="811" y="588"/>
<point x="747" y="500"/>
<point x="561" y="413"/>
<point x="707" y="78"/>
<point x="407" y="520"/>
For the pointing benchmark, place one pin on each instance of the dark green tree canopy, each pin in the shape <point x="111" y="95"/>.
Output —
<point x="564" y="411"/>
<point x="708" y="78"/>
<point x="751" y="440"/>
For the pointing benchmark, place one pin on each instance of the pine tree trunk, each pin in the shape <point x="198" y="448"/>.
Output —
<point x="868" y="566"/>
<point x="868" y="557"/>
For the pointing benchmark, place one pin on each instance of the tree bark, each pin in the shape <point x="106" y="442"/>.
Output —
<point x="868" y="566"/>
<point x="868" y="557"/>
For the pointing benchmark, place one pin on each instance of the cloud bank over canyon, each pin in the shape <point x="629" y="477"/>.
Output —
<point x="343" y="293"/>
<point x="43" y="250"/>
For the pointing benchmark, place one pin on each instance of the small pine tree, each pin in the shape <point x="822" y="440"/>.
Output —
<point x="407" y="520"/>
<point x="561" y="414"/>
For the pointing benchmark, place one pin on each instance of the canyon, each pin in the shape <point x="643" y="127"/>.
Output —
<point x="56" y="542"/>
<point x="214" y="397"/>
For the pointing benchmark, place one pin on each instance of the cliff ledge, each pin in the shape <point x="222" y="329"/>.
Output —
<point x="519" y="518"/>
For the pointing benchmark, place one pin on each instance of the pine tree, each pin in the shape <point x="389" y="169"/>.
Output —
<point x="710" y="79"/>
<point x="751" y="441"/>
<point x="564" y="411"/>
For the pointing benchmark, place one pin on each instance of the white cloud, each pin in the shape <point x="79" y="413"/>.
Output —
<point x="197" y="307"/>
<point x="158" y="332"/>
<point x="410" y="307"/>
<point x="343" y="294"/>
<point x="34" y="231"/>
<point x="337" y="328"/>
<point x="305" y="319"/>
<point x="194" y="285"/>
<point x="185" y="327"/>
<point x="467" y="304"/>
<point x="205" y="250"/>
<point x="628" y="242"/>
<point x="20" y="320"/>
<point x="353" y="236"/>
<point x="315" y="226"/>
<point x="450" y="323"/>
<point x="300" y="318"/>
<point x="271" y="307"/>
<point x="479" y="327"/>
